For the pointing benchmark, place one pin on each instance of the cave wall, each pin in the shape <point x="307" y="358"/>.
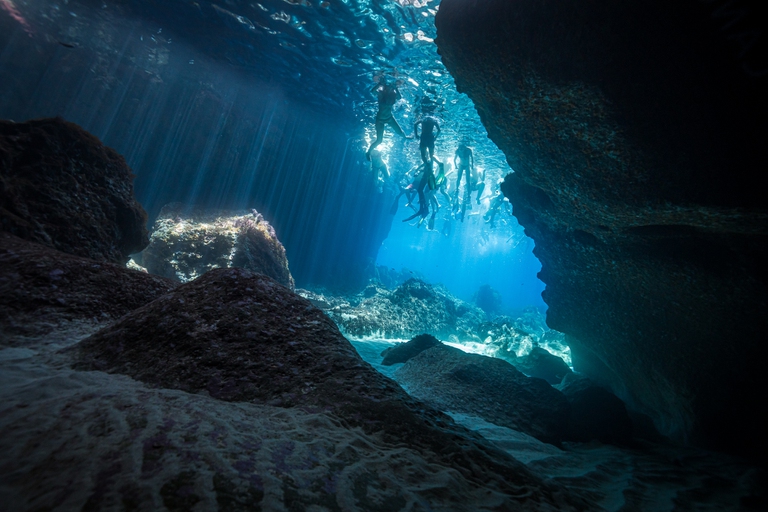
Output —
<point x="196" y="131"/>
<point x="635" y="130"/>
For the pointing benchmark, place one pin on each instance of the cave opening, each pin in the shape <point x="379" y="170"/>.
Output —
<point x="218" y="112"/>
<point x="238" y="106"/>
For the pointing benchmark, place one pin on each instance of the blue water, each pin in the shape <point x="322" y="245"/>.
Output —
<point x="267" y="105"/>
<point x="472" y="255"/>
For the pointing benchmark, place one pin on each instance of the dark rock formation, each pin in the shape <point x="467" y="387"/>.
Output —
<point x="453" y="380"/>
<point x="596" y="413"/>
<point x="635" y="130"/>
<point x="61" y="187"/>
<point x="391" y="278"/>
<point x="240" y="337"/>
<point x="403" y="352"/>
<point x="186" y="242"/>
<point x="488" y="299"/>
<point x="541" y="364"/>
<point x="412" y="308"/>
<point x="49" y="294"/>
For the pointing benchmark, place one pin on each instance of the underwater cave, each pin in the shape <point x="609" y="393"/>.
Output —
<point x="383" y="255"/>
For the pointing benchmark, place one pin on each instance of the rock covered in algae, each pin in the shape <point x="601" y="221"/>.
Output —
<point x="403" y="352"/>
<point x="412" y="308"/>
<point x="186" y="242"/>
<point x="49" y="295"/>
<point x="456" y="381"/>
<point x="61" y="187"/>
<point x="514" y="337"/>
<point x="542" y="364"/>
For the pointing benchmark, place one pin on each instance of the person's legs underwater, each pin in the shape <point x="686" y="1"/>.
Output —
<point x="379" y="137"/>
<point x="480" y="188"/>
<point x="456" y="201"/>
<point x="393" y="123"/>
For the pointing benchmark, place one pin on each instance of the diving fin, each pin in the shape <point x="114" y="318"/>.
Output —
<point x="412" y="217"/>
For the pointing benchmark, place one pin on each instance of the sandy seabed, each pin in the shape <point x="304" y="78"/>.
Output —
<point x="86" y="440"/>
<point x="76" y="440"/>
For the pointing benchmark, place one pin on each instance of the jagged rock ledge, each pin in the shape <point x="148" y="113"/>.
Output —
<point x="642" y="197"/>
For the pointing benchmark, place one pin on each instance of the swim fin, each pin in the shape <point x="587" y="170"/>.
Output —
<point x="412" y="217"/>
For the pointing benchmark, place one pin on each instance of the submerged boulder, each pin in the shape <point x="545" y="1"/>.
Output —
<point x="412" y="308"/>
<point x="403" y="352"/>
<point x="236" y="336"/>
<point x="187" y="242"/>
<point x="61" y="187"/>
<point x="57" y="297"/>
<point x="513" y="338"/>
<point x="596" y="413"/>
<point x="455" y="381"/>
<point x="488" y="299"/>
<point x="543" y="365"/>
<point x="649" y="217"/>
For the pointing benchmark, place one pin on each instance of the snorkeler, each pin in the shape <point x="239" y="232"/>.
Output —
<point x="494" y="208"/>
<point x="440" y="185"/>
<point x="430" y="129"/>
<point x="478" y="183"/>
<point x="388" y="96"/>
<point x="441" y="181"/>
<point x="464" y="162"/>
<point x="407" y="187"/>
<point x="426" y="180"/>
<point x="379" y="169"/>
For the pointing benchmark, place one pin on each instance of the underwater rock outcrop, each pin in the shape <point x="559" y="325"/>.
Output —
<point x="61" y="187"/>
<point x="405" y="351"/>
<point x="595" y="412"/>
<point x="635" y="130"/>
<point x="453" y="380"/>
<point x="49" y="294"/>
<point x="240" y="339"/>
<point x="511" y="338"/>
<point x="542" y="364"/>
<point x="412" y="308"/>
<point x="488" y="299"/>
<point x="187" y="242"/>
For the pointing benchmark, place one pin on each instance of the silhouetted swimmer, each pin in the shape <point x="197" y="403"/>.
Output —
<point x="430" y="129"/>
<point x="388" y="96"/>
<point x="494" y="207"/>
<point x="441" y="181"/>
<point x="379" y="169"/>
<point x="426" y="181"/>
<point x="478" y="183"/>
<point x="407" y="187"/>
<point x="464" y="161"/>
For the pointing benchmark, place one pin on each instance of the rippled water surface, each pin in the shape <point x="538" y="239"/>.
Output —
<point x="321" y="52"/>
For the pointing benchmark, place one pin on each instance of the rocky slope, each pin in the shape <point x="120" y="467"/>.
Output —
<point x="47" y="296"/>
<point x="60" y="186"/>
